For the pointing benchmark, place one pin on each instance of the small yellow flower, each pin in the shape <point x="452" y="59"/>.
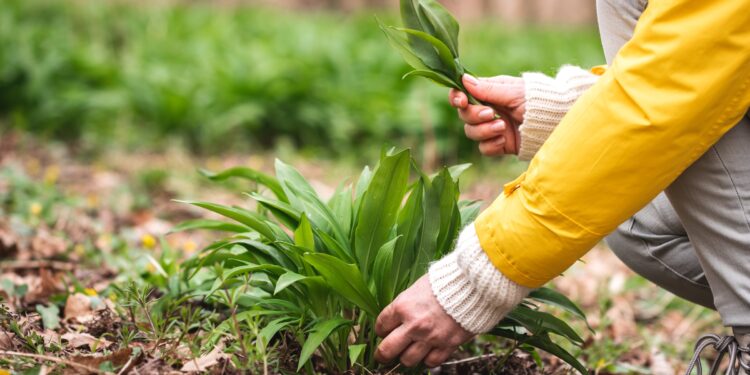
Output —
<point x="92" y="200"/>
<point x="148" y="241"/>
<point x="51" y="174"/>
<point x="35" y="208"/>
<point x="79" y="250"/>
<point x="189" y="246"/>
<point x="150" y="268"/>
<point x="4" y="372"/>
<point x="91" y="292"/>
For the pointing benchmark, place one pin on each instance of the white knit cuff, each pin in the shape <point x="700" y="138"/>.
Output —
<point x="470" y="288"/>
<point x="547" y="101"/>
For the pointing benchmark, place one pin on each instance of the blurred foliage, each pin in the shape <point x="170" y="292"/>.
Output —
<point x="220" y="78"/>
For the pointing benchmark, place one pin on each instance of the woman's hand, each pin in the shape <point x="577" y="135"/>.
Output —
<point x="506" y="97"/>
<point x="416" y="329"/>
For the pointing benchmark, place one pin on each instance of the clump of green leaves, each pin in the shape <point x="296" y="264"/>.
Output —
<point x="321" y="271"/>
<point x="429" y="43"/>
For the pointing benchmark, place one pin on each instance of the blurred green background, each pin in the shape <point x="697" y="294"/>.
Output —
<point x="101" y="74"/>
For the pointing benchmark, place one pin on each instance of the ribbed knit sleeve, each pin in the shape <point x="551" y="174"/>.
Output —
<point x="470" y="288"/>
<point x="547" y="101"/>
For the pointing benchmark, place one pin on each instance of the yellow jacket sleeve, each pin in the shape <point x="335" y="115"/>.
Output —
<point x="672" y="92"/>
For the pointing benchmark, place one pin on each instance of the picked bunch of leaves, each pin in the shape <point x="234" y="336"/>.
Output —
<point x="429" y="43"/>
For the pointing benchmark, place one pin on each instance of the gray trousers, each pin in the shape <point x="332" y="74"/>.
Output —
<point x="694" y="238"/>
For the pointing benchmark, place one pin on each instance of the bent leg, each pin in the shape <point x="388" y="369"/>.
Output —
<point x="712" y="199"/>
<point x="654" y="244"/>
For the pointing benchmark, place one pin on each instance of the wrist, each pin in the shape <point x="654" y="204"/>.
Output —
<point x="469" y="287"/>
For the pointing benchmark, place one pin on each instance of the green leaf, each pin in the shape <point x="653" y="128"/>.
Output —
<point x="457" y="170"/>
<point x="250" y="219"/>
<point x="249" y="174"/>
<point x="447" y="63"/>
<point x="270" y="330"/>
<point x="409" y="224"/>
<point x="445" y="27"/>
<point x="285" y="213"/>
<point x="539" y="322"/>
<point x="209" y="224"/>
<point x="334" y="247"/>
<point x="320" y="331"/>
<point x="469" y="211"/>
<point x="355" y="352"/>
<point x="382" y="274"/>
<point x="420" y="47"/>
<point x="437" y="77"/>
<point x="555" y="298"/>
<point x="400" y="42"/>
<point x="341" y="206"/>
<point x="439" y="207"/>
<point x="304" y="198"/>
<point x="346" y="280"/>
<point x="380" y="205"/>
<point x="542" y="342"/>
<point x="303" y="236"/>
<point x="286" y="280"/>
<point x="50" y="316"/>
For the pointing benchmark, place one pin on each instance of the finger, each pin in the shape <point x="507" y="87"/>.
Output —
<point x="476" y="114"/>
<point x="415" y="353"/>
<point x="437" y="356"/>
<point x="387" y="321"/>
<point x="485" y="131"/>
<point x="487" y="90"/>
<point x="493" y="147"/>
<point x="458" y="99"/>
<point x="392" y="346"/>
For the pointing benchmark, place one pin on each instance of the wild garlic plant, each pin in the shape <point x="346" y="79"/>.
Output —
<point x="321" y="271"/>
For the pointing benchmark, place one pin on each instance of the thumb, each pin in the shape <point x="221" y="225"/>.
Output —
<point x="488" y="90"/>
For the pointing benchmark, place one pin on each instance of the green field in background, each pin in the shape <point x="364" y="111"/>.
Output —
<point x="219" y="79"/>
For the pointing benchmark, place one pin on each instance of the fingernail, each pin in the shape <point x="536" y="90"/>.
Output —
<point x="486" y="114"/>
<point x="457" y="102"/>
<point x="471" y="79"/>
<point x="498" y="126"/>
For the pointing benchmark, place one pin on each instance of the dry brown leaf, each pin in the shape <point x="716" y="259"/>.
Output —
<point x="6" y="340"/>
<point x="50" y="337"/>
<point x="77" y="340"/>
<point x="46" y="245"/>
<point x="78" y="308"/>
<point x="203" y="363"/>
<point x="118" y="358"/>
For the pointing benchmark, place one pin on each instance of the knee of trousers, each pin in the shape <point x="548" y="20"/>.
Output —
<point x="630" y="249"/>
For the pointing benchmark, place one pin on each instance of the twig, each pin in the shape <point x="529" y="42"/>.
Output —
<point x="393" y="369"/>
<point x="465" y="360"/>
<point x="129" y="364"/>
<point x="27" y="264"/>
<point x="53" y="359"/>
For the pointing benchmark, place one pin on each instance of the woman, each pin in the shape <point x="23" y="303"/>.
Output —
<point x="667" y="115"/>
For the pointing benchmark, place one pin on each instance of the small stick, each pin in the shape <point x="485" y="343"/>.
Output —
<point x="460" y="361"/>
<point x="53" y="359"/>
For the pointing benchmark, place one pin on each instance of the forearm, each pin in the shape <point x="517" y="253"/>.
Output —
<point x="548" y="99"/>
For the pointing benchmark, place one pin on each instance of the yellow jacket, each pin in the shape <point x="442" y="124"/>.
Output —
<point x="671" y="92"/>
